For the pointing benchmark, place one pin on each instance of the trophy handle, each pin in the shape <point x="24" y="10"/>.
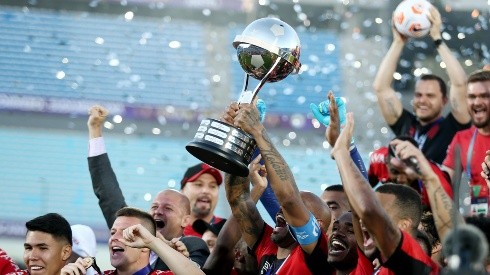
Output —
<point x="249" y="96"/>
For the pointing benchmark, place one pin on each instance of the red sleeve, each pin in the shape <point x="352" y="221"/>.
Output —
<point x="449" y="160"/>
<point x="443" y="178"/>
<point x="409" y="258"/>
<point x="189" y="231"/>
<point x="364" y="265"/>
<point x="377" y="166"/>
<point x="7" y="265"/>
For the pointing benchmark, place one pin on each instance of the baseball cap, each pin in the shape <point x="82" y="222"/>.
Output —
<point x="197" y="170"/>
<point x="84" y="243"/>
<point x="200" y="226"/>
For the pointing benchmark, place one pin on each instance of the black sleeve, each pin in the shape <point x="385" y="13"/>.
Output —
<point x="454" y="125"/>
<point x="106" y="188"/>
<point x="198" y="250"/>
<point x="403" y="124"/>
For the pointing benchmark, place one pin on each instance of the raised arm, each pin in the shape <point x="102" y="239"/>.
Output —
<point x="456" y="73"/>
<point x="336" y="120"/>
<point x="104" y="181"/>
<point x="243" y="208"/>
<point x="441" y="203"/>
<point x="279" y="174"/>
<point x="389" y="103"/>
<point x="139" y="237"/>
<point x="221" y="259"/>
<point x="332" y="113"/>
<point x="361" y="196"/>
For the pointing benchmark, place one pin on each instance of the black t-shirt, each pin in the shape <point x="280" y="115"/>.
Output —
<point x="434" y="138"/>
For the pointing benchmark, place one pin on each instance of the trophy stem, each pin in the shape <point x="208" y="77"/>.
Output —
<point x="245" y="82"/>
<point x="247" y="96"/>
<point x="265" y="78"/>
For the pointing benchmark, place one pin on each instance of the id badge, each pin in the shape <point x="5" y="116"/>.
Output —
<point x="479" y="206"/>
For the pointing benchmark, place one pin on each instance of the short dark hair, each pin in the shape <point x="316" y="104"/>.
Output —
<point x="479" y="76"/>
<point x="335" y="187"/>
<point x="407" y="201"/>
<point x="146" y="219"/>
<point x="442" y="84"/>
<point x="53" y="224"/>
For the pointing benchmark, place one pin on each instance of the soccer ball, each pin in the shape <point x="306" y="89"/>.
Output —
<point x="410" y="18"/>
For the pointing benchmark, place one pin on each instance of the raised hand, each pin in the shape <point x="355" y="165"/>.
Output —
<point x="323" y="111"/>
<point x="230" y="113"/>
<point x="436" y="23"/>
<point x="410" y="159"/>
<point x="333" y="129"/>
<point x="345" y="137"/>
<point x="97" y="116"/>
<point x="137" y="236"/>
<point x="397" y="36"/>
<point x="178" y="245"/>
<point x="258" y="173"/>
<point x="248" y="119"/>
<point x="486" y="169"/>
<point x="79" y="267"/>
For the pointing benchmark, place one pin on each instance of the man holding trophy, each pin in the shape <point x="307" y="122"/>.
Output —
<point x="268" y="50"/>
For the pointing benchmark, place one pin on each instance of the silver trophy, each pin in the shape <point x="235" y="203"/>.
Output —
<point x="268" y="50"/>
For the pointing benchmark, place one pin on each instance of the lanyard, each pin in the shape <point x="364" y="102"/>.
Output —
<point x="469" y="154"/>
<point x="422" y="137"/>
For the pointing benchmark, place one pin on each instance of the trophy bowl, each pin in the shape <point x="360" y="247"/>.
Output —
<point x="262" y="42"/>
<point x="268" y="50"/>
<point x="223" y="146"/>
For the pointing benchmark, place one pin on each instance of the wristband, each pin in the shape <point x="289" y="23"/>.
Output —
<point x="438" y="42"/>
<point x="308" y="233"/>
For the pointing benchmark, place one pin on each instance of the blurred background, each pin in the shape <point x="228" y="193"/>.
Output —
<point x="162" y="66"/>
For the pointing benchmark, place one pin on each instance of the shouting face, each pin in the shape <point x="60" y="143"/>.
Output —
<point x="170" y="210"/>
<point x="478" y="101"/>
<point x="342" y="245"/>
<point x="203" y="195"/>
<point x="124" y="257"/>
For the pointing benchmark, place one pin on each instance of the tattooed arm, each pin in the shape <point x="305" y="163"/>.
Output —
<point x="362" y="198"/>
<point x="389" y="103"/>
<point x="280" y="176"/>
<point x="440" y="202"/>
<point x="243" y="208"/>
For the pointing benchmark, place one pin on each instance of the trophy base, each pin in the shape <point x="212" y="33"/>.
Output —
<point x="222" y="146"/>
